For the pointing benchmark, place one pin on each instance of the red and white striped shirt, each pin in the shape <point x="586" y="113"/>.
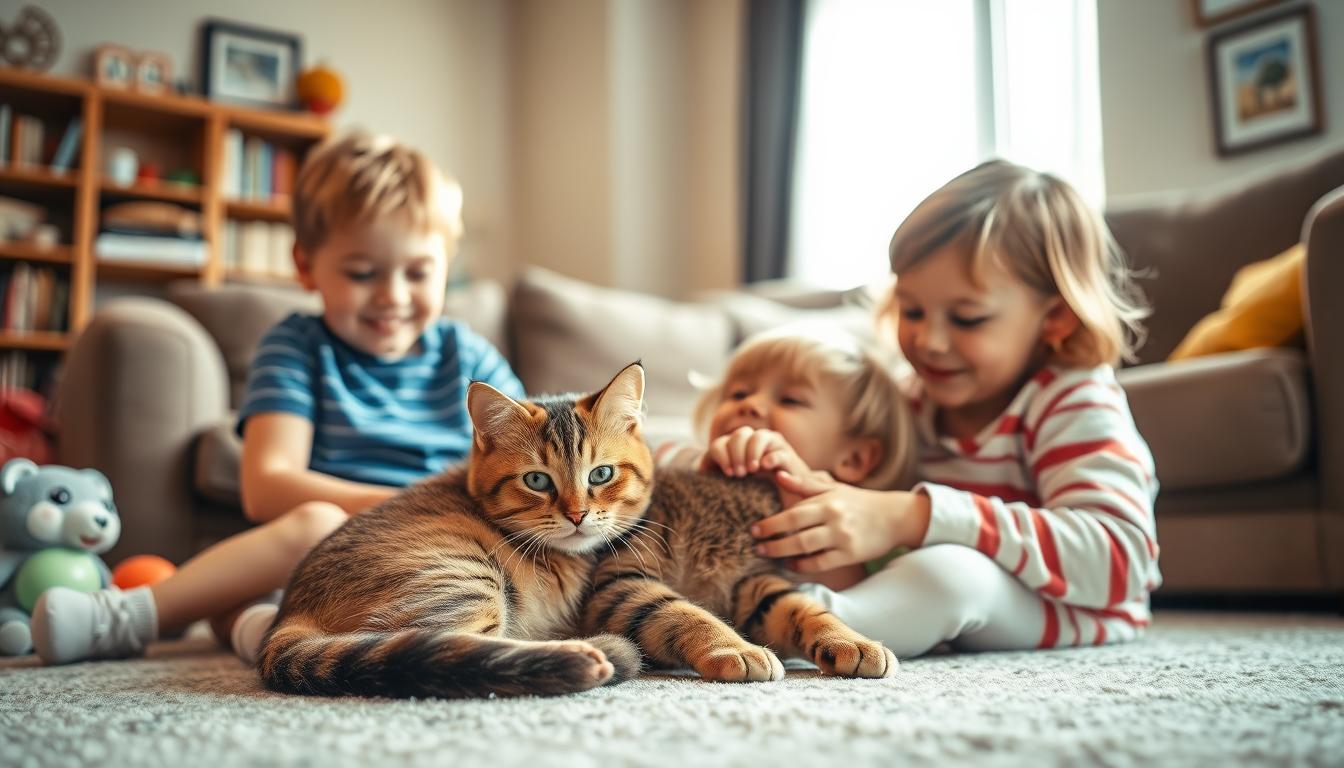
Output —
<point x="1059" y="491"/>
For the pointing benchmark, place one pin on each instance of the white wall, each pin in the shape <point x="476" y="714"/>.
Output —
<point x="1156" y="115"/>
<point x="434" y="72"/>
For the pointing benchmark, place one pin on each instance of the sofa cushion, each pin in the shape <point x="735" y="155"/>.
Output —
<point x="1224" y="419"/>
<point x="571" y="336"/>
<point x="217" y="463"/>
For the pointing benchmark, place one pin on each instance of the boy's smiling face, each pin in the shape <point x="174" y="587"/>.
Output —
<point x="382" y="284"/>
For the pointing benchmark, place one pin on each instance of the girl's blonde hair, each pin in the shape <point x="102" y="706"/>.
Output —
<point x="1036" y="227"/>
<point x="865" y="379"/>
<point x="356" y="178"/>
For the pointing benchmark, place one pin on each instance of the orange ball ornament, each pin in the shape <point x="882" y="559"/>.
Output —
<point x="320" y="89"/>
<point x="141" y="571"/>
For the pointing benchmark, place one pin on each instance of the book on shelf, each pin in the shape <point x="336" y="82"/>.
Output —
<point x="256" y="170"/>
<point x="259" y="248"/>
<point x="69" y="146"/>
<point x="6" y="117"/>
<point x="33" y="298"/>
<point x="157" y="249"/>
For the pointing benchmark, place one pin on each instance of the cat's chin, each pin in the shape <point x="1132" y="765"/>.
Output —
<point x="575" y="543"/>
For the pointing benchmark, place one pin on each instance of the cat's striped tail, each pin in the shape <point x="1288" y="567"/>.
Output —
<point x="297" y="657"/>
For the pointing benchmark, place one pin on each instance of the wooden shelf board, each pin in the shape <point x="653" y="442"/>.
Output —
<point x="145" y="271"/>
<point x="57" y="254"/>
<point x="290" y="124"/>
<point x="249" y="210"/>
<point x="183" y="106"/>
<point x="175" y="193"/>
<point x="54" y="341"/>
<point x="39" y="176"/>
<point x="23" y="79"/>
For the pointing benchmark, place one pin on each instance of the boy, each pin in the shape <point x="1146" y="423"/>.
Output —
<point x="341" y="410"/>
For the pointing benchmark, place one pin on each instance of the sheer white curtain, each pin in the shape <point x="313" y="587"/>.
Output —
<point x="898" y="96"/>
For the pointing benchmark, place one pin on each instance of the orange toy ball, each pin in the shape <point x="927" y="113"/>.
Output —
<point x="141" y="570"/>
<point x="320" y="89"/>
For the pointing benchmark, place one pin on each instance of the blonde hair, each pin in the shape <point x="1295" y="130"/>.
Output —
<point x="355" y="178"/>
<point x="862" y="376"/>
<point x="1038" y="228"/>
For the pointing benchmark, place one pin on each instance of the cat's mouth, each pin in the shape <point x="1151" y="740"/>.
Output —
<point x="577" y="541"/>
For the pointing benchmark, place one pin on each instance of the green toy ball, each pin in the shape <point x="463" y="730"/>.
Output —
<point x="56" y="567"/>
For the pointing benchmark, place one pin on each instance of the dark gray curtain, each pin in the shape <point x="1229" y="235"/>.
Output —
<point x="770" y="120"/>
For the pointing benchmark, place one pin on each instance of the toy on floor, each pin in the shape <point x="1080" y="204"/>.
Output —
<point x="142" y="571"/>
<point x="54" y="521"/>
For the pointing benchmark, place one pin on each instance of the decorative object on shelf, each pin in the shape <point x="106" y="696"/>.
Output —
<point x="32" y="41"/>
<point x="147" y="173"/>
<point x="143" y="217"/>
<point x="122" y="166"/>
<point x="184" y="177"/>
<point x="321" y="89"/>
<point x="19" y="218"/>
<point x="1265" y="81"/>
<point x="1210" y="12"/>
<point x="114" y="65"/>
<point x="153" y="73"/>
<point x="249" y="65"/>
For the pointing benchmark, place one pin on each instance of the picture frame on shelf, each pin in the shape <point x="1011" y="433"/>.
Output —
<point x="1208" y="13"/>
<point x="1265" y="81"/>
<point x="250" y="65"/>
<point x="153" y="73"/>
<point x="114" y="66"/>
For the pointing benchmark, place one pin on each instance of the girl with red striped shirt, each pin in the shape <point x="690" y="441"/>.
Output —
<point x="1033" y="525"/>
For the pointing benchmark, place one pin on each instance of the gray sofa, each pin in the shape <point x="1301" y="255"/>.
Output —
<point x="1249" y="446"/>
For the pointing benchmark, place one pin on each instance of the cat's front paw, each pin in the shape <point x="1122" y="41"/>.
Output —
<point x="854" y="657"/>
<point x="592" y="666"/>
<point x="740" y="664"/>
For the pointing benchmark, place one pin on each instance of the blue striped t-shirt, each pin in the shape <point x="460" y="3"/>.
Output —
<point x="375" y="421"/>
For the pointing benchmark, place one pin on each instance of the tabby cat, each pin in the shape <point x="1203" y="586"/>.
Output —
<point x="461" y="585"/>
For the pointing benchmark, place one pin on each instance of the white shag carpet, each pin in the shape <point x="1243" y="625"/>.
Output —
<point x="1201" y="689"/>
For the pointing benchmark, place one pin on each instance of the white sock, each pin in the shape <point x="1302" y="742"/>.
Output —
<point x="249" y="628"/>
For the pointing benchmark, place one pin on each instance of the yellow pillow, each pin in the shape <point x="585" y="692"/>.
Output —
<point x="1262" y="308"/>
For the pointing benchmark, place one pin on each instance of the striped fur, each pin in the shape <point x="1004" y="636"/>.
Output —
<point x="687" y="570"/>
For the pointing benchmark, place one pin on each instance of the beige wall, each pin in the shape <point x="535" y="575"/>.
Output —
<point x="434" y="72"/>
<point x="1156" y="114"/>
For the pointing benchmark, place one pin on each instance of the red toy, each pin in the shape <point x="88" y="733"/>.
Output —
<point x="141" y="570"/>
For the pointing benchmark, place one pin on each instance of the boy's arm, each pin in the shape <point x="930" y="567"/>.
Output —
<point x="276" y="477"/>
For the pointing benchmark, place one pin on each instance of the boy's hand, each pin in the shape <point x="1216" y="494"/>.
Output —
<point x="835" y="524"/>
<point x="745" y="451"/>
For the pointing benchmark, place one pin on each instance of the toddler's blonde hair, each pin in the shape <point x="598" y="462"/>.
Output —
<point x="1039" y="229"/>
<point x="834" y="361"/>
<point x="356" y="178"/>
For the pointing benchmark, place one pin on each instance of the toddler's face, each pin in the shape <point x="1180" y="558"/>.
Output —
<point x="381" y="285"/>
<point x="810" y="419"/>
<point x="974" y="345"/>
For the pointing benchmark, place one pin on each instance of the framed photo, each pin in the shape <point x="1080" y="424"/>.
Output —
<point x="114" y="66"/>
<point x="153" y="73"/>
<point x="1210" y="12"/>
<point x="248" y="65"/>
<point x="1265" y="81"/>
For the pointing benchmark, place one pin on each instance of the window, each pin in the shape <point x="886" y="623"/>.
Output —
<point x="898" y="96"/>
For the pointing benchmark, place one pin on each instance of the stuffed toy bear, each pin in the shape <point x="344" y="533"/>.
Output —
<point x="53" y="523"/>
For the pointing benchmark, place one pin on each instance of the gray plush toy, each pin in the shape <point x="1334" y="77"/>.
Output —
<point x="44" y="508"/>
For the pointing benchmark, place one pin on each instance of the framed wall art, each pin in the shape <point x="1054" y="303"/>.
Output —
<point x="249" y="65"/>
<point x="1265" y="82"/>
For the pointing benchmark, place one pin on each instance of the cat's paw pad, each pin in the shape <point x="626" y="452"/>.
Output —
<point x="599" y="669"/>
<point x="854" y="657"/>
<point x="741" y="664"/>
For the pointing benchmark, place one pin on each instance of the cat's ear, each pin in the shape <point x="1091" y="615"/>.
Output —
<point x="493" y="413"/>
<point x="622" y="400"/>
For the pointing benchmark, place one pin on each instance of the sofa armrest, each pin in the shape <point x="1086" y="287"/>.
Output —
<point x="1323" y="233"/>
<point x="140" y="384"/>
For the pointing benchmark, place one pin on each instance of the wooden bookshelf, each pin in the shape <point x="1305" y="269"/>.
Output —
<point x="175" y="132"/>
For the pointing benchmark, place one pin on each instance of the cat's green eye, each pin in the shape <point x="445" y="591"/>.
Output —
<point x="601" y="474"/>
<point x="538" y="481"/>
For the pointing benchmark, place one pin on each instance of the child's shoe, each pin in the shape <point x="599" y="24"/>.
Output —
<point x="107" y="624"/>
<point x="249" y="629"/>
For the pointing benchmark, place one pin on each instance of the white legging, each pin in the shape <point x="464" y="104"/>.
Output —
<point x="941" y="593"/>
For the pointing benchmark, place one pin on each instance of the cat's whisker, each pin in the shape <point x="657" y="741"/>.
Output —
<point x="657" y="561"/>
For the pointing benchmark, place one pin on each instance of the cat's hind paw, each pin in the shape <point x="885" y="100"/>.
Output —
<point x="744" y="664"/>
<point x="858" y="657"/>
<point x="623" y="655"/>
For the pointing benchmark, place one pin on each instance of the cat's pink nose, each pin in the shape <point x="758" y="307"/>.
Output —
<point x="576" y="517"/>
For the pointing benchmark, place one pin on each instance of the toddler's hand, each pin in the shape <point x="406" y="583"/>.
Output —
<point x="746" y="450"/>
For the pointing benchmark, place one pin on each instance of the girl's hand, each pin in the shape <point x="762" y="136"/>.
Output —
<point x="836" y="524"/>
<point x="746" y="450"/>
